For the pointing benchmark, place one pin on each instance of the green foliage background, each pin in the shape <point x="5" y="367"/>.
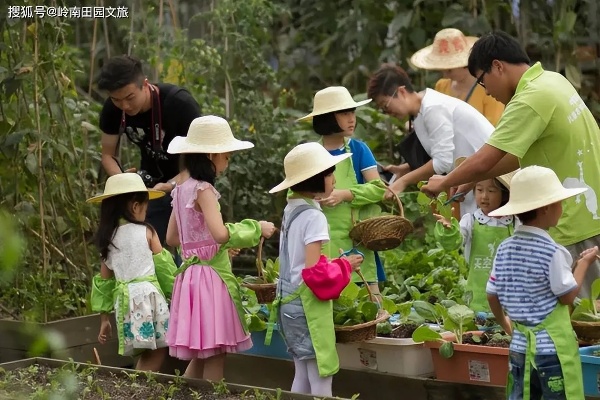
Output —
<point x="257" y="62"/>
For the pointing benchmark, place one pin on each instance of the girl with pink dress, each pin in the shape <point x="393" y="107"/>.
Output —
<point x="207" y="317"/>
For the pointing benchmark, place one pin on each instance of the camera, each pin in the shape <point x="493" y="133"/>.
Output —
<point x="148" y="179"/>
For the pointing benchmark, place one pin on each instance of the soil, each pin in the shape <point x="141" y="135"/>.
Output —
<point x="403" y="331"/>
<point x="93" y="384"/>
<point x="498" y="339"/>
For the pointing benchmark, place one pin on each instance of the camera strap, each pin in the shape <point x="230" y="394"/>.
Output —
<point x="156" y="119"/>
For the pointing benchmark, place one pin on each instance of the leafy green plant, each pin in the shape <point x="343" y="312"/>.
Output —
<point x="269" y="272"/>
<point x="354" y="306"/>
<point x="586" y="310"/>
<point x="457" y="319"/>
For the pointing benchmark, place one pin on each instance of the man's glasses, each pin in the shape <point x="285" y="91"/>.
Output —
<point x="480" y="80"/>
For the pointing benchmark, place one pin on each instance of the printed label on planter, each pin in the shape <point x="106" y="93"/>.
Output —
<point x="368" y="358"/>
<point x="479" y="371"/>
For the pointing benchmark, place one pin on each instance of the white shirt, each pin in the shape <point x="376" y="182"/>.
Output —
<point x="309" y="227"/>
<point x="466" y="227"/>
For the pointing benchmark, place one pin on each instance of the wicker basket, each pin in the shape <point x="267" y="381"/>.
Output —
<point x="265" y="292"/>
<point x="360" y="332"/>
<point x="587" y="331"/>
<point x="382" y="233"/>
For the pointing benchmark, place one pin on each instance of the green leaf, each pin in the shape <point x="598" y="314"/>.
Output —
<point x="425" y="310"/>
<point x="461" y="314"/>
<point x="351" y="291"/>
<point x="447" y="349"/>
<point x="425" y="334"/>
<point x="369" y="310"/>
<point x="389" y="306"/>
<point x="595" y="290"/>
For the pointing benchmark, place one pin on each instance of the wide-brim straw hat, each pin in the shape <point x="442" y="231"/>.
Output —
<point x="532" y="188"/>
<point x="450" y="49"/>
<point x="305" y="161"/>
<point x="332" y="99"/>
<point x="210" y="135"/>
<point x="126" y="182"/>
<point x="503" y="179"/>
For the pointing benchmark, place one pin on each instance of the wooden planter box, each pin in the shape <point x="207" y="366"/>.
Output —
<point x="161" y="378"/>
<point x="80" y="336"/>
<point x="480" y="365"/>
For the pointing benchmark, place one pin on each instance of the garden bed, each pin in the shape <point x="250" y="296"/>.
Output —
<point x="40" y="376"/>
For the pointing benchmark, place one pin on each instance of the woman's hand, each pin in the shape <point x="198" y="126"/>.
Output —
<point x="398" y="170"/>
<point x="267" y="228"/>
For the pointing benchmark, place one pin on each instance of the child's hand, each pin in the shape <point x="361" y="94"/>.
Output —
<point x="336" y="197"/>
<point x="233" y="252"/>
<point x="105" y="331"/>
<point x="506" y="325"/>
<point x="267" y="228"/>
<point x="354" y="259"/>
<point x="590" y="255"/>
<point x="447" y="224"/>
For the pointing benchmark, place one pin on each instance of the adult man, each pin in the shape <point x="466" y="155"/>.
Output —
<point x="151" y="116"/>
<point x="545" y="123"/>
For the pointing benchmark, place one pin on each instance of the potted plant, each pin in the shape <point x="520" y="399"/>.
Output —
<point x="585" y="317"/>
<point x="455" y="359"/>
<point x="265" y="284"/>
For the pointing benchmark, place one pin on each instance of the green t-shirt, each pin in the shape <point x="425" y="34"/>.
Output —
<point x="546" y="123"/>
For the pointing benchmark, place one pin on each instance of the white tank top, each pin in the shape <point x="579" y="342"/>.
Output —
<point x="130" y="257"/>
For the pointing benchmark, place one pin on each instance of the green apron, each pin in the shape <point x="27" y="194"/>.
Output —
<point x="319" y="314"/>
<point x="485" y="240"/>
<point x="122" y="294"/>
<point x="558" y="326"/>
<point x="340" y="222"/>
<point x="221" y="265"/>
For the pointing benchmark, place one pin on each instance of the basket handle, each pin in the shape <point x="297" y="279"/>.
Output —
<point x="359" y="273"/>
<point x="259" y="262"/>
<point x="397" y="200"/>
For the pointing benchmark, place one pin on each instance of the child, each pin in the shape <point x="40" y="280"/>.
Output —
<point x="127" y="245"/>
<point x="307" y="282"/>
<point x="357" y="181"/>
<point x="208" y="319"/>
<point x="480" y="234"/>
<point x="533" y="283"/>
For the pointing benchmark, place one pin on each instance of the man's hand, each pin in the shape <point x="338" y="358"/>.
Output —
<point x="466" y="188"/>
<point x="163" y="187"/>
<point x="131" y="170"/>
<point x="435" y="185"/>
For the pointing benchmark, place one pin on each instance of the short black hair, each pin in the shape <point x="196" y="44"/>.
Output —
<point x="119" y="72"/>
<point x="504" y="191"/>
<point x="314" y="184"/>
<point x="527" y="216"/>
<point x="387" y="79"/>
<point x="199" y="166"/>
<point x="495" y="46"/>
<point x="326" y="124"/>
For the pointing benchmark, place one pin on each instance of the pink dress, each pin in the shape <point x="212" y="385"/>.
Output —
<point x="204" y="321"/>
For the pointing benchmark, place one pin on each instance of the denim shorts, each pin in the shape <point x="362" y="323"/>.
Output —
<point x="546" y="381"/>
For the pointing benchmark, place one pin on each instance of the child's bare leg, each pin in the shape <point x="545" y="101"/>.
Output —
<point x="195" y="369"/>
<point x="214" y="368"/>
<point x="151" y="360"/>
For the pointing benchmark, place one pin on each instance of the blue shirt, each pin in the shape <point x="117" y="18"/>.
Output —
<point x="362" y="157"/>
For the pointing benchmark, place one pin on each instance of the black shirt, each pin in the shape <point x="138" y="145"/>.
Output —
<point x="178" y="108"/>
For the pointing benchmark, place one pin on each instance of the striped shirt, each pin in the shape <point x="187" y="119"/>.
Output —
<point x="530" y="272"/>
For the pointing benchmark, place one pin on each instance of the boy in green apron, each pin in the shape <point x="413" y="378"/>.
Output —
<point x="531" y="287"/>
<point x="479" y="234"/>
<point x="307" y="281"/>
<point x="358" y="184"/>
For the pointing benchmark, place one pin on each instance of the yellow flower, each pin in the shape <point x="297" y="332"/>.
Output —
<point x="251" y="128"/>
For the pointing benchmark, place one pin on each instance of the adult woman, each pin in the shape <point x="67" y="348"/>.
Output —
<point x="447" y="128"/>
<point x="449" y="54"/>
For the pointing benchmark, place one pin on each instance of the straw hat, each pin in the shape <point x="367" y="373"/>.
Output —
<point x="127" y="182"/>
<point x="532" y="188"/>
<point x="305" y="161"/>
<point x="331" y="99"/>
<point x="504" y="179"/>
<point x="210" y="135"/>
<point x="450" y="49"/>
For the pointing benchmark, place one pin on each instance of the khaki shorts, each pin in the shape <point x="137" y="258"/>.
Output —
<point x="593" y="271"/>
